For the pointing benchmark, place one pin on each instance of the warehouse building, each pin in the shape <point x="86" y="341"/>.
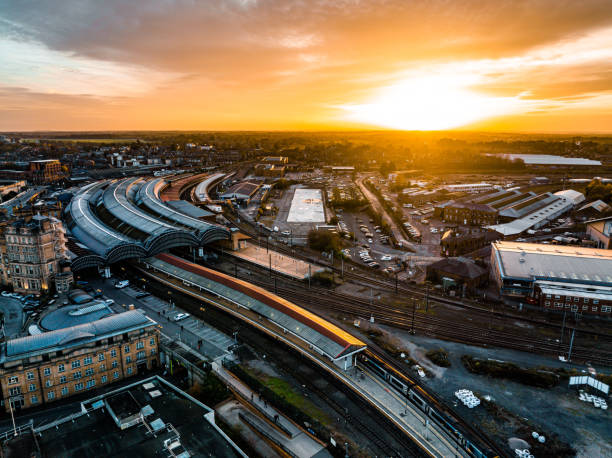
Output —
<point x="518" y="267"/>
<point x="537" y="212"/>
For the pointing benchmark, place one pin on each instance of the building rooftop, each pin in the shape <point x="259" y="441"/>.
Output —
<point x="588" y="291"/>
<point x="73" y="315"/>
<point x="325" y="336"/>
<point x="138" y="420"/>
<point x="597" y="205"/>
<point x="462" y="267"/>
<point x="245" y="188"/>
<point x="545" y="262"/>
<point x="25" y="347"/>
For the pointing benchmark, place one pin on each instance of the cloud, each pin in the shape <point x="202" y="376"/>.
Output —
<point x="318" y="53"/>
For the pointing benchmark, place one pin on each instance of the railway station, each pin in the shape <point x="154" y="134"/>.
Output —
<point x="124" y="219"/>
<point x="319" y="335"/>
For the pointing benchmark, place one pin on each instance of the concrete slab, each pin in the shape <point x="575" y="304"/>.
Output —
<point x="284" y="264"/>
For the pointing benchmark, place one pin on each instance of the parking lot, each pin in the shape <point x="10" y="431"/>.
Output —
<point x="382" y="253"/>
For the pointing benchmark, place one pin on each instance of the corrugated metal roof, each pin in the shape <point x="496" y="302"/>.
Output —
<point x="24" y="347"/>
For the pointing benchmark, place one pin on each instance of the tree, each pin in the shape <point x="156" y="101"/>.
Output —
<point x="324" y="241"/>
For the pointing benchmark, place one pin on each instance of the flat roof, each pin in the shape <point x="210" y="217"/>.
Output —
<point x="549" y="159"/>
<point x="306" y="207"/>
<point x="91" y="429"/>
<point x="566" y="263"/>
<point x="330" y="339"/>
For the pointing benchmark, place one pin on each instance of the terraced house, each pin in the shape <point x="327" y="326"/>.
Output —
<point x="44" y="368"/>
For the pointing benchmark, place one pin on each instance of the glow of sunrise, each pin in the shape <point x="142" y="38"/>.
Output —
<point x="430" y="103"/>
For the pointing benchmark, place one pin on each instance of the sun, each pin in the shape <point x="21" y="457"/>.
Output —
<point x="429" y="103"/>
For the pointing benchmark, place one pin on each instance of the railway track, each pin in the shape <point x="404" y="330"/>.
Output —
<point x="377" y="280"/>
<point x="325" y="301"/>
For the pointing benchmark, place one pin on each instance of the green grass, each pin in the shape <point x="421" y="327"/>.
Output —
<point x="283" y="389"/>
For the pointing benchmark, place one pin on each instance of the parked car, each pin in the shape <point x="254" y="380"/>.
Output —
<point x="122" y="284"/>
<point x="181" y="316"/>
<point x="386" y="257"/>
<point x="109" y="301"/>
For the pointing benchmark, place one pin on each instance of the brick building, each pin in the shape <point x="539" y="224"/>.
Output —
<point x="571" y="297"/>
<point x="46" y="171"/>
<point x="41" y="369"/>
<point x="467" y="213"/>
<point x="455" y="243"/>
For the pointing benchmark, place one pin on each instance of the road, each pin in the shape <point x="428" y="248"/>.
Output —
<point x="13" y="316"/>
<point x="378" y="208"/>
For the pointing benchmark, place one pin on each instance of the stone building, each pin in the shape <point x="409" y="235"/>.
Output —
<point x="46" y="171"/>
<point x="44" y="368"/>
<point x="33" y="253"/>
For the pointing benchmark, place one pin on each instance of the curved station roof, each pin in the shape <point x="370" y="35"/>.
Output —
<point x="321" y="334"/>
<point x="124" y="219"/>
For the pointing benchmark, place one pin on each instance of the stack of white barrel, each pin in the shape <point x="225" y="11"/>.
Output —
<point x="468" y="398"/>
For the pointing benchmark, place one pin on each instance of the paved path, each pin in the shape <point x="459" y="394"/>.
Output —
<point x="287" y="265"/>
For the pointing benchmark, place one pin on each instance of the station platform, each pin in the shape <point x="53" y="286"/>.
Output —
<point x="281" y="263"/>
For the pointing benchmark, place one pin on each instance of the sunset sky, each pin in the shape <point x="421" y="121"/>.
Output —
<point x="527" y="66"/>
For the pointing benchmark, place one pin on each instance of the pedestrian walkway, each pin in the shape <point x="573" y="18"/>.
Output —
<point x="292" y="439"/>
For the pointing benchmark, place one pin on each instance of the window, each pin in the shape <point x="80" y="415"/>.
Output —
<point x="140" y="345"/>
<point x="128" y="359"/>
<point x="548" y="296"/>
<point x="114" y="364"/>
<point x="129" y="371"/>
<point x="115" y="374"/>
<point x="104" y="379"/>
<point x="32" y="387"/>
<point x="14" y="391"/>
<point x="547" y="303"/>
<point x="64" y="391"/>
<point x="51" y="395"/>
<point x="585" y="307"/>
<point x="593" y="309"/>
<point x="48" y="383"/>
<point x="60" y="368"/>
<point x="126" y="349"/>
<point x="91" y="383"/>
<point x="152" y="341"/>
<point x="87" y="360"/>
<point x="101" y="357"/>
<point x="78" y="386"/>
<point x="595" y="301"/>
<point x="113" y="353"/>
<point x="141" y="355"/>
<point x="89" y="372"/>
<point x="586" y="300"/>
<point x="567" y="306"/>
<point x="30" y="376"/>
<point x="13" y="379"/>
<point x="576" y="299"/>
<point x="34" y="399"/>
<point x="63" y="379"/>
<point x="557" y="297"/>
<point x="47" y="371"/>
<point x="77" y="375"/>
<point x="606" y="308"/>
<point x="76" y="364"/>
<point x="153" y="351"/>
<point x="102" y="367"/>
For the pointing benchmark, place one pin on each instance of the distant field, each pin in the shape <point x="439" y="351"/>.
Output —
<point x="85" y="140"/>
